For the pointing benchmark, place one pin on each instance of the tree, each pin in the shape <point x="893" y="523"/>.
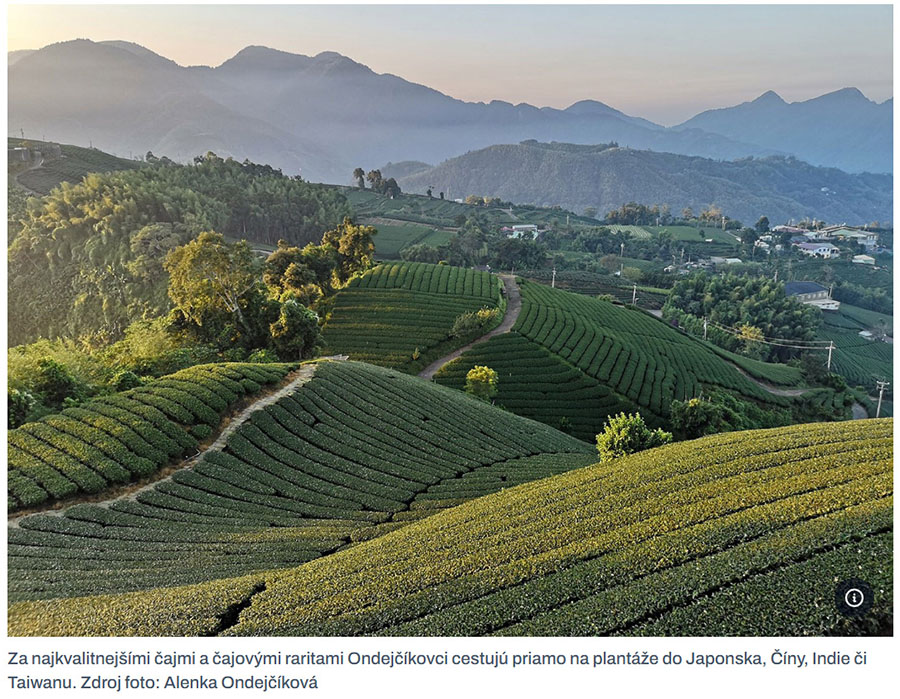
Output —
<point x="749" y="236"/>
<point x="482" y="382"/>
<point x="360" y="176"/>
<point x="590" y="211"/>
<point x="354" y="247"/>
<point x="208" y="276"/>
<point x="442" y="195"/>
<point x="375" y="179"/>
<point x="627" y="434"/>
<point x="57" y="385"/>
<point x="695" y="417"/>
<point x="295" y="334"/>
<point x="428" y="192"/>
<point x="390" y="188"/>
<point x="687" y="213"/>
<point x="762" y="226"/>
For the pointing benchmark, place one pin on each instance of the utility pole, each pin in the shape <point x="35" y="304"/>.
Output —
<point x="622" y="250"/>
<point x="705" y="323"/>
<point x="634" y="294"/>
<point x="830" y="348"/>
<point x="723" y="223"/>
<point x="553" y="281"/>
<point x="881" y="386"/>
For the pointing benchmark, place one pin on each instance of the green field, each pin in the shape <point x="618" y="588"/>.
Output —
<point x="862" y="362"/>
<point x="394" y="237"/>
<point x="75" y="163"/>
<point x="122" y="438"/>
<point x="594" y="284"/>
<point x="574" y="357"/>
<point x="692" y="235"/>
<point x="691" y="539"/>
<point x="355" y="452"/>
<point x="399" y="309"/>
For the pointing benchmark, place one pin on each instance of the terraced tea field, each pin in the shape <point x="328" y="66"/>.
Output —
<point x="694" y="538"/>
<point x="354" y="452"/>
<point x="122" y="438"/>
<point x="612" y="358"/>
<point x="398" y="310"/>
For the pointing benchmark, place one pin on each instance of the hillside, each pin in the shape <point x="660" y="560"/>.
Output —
<point x="352" y="452"/>
<point x="695" y="539"/>
<point x="571" y="361"/>
<point x="842" y="129"/>
<point x="75" y="163"/>
<point x="576" y="177"/>
<point x="401" y="315"/>
<point x="128" y="436"/>
<point x="88" y="260"/>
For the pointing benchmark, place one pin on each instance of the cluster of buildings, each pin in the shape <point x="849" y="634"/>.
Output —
<point x="820" y="243"/>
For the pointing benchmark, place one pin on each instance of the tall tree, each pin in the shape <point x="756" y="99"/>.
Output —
<point x="208" y="276"/>
<point x="360" y="176"/>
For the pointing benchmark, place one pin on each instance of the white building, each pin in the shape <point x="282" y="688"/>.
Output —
<point x="813" y="294"/>
<point x="825" y="250"/>
<point x="863" y="260"/>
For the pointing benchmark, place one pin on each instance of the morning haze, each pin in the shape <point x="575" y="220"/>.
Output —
<point x="664" y="63"/>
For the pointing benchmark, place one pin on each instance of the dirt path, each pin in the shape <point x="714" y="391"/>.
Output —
<point x="33" y="166"/>
<point x="303" y="375"/>
<point x="513" y="308"/>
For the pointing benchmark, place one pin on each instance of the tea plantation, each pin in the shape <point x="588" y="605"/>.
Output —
<point x="400" y="315"/>
<point x="689" y="539"/>
<point x="579" y="358"/>
<point x="127" y="436"/>
<point x="354" y="452"/>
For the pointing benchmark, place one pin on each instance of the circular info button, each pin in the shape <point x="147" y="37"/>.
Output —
<point x="853" y="597"/>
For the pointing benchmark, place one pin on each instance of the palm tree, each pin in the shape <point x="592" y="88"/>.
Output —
<point x="360" y="176"/>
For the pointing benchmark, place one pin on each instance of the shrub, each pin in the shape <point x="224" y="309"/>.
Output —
<point x="125" y="380"/>
<point x="20" y="404"/>
<point x="470" y="322"/>
<point x="481" y="382"/>
<point x="627" y="434"/>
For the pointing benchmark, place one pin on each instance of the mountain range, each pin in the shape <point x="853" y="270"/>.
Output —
<point x="605" y="177"/>
<point x="324" y="115"/>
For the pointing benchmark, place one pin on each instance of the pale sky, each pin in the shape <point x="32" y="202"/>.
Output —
<point x="662" y="62"/>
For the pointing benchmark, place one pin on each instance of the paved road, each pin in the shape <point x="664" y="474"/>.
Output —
<point x="513" y="308"/>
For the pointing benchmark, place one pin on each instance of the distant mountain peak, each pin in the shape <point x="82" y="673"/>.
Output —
<point x="845" y="95"/>
<point x="264" y="58"/>
<point x="769" y="97"/>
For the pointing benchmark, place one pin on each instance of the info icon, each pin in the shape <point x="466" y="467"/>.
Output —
<point x="853" y="597"/>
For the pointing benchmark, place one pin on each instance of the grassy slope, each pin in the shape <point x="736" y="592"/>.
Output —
<point x="72" y="167"/>
<point x="398" y="310"/>
<point x="689" y="539"/>
<point x="121" y="438"/>
<point x="860" y="361"/>
<point x="614" y="359"/>
<point x="356" y="451"/>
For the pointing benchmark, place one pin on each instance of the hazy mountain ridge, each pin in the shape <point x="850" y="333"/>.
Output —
<point x="842" y="128"/>
<point x="324" y="115"/>
<point x="576" y="176"/>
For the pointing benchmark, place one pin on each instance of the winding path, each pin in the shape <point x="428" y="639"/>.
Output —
<point x="513" y="308"/>
<point x="131" y="491"/>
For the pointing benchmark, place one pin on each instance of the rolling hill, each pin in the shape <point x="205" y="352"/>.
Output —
<point x="696" y="538"/>
<point x="571" y="361"/>
<point x="350" y="452"/>
<point x="401" y="315"/>
<point x="75" y="163"/>
<point x="606" y="177"/>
